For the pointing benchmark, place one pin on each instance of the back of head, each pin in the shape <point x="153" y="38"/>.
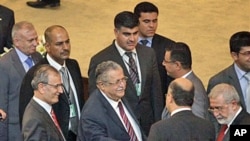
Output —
<point x="145" y="7"/>
<point x="228" y="92"/>
<point x="239" y="40"/>
<point x="182" y="91"/>
<point x="181" y="52"/>
<point x="125" y="19"/>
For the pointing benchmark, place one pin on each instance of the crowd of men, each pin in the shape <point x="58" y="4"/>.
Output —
<point x="141" y="87"/>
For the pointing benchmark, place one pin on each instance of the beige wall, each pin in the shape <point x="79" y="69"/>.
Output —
<point x="205" y="25"/>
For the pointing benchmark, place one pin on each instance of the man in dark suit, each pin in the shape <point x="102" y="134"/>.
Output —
<point x="226" y="107"/>
<point x="13" y="67"/>
<point x="101" y="118"/>
<point x="178" y="63"/>
<point x="43" y="3"/>
<point x="58" y="50"/>
<point x="235" y="73"/>
<point x="3" y="132"/>
<point x="148" y="21"/>
<point x="183" y="125"/>
<point x="39" y="122"/>
<point x="7" y="20"/>
<point x="143" y="90"/>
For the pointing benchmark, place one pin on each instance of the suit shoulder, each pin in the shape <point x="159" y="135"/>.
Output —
<point x="163" y="38"/>
<point x="222" y="75"/>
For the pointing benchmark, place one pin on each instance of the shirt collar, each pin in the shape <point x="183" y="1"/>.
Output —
<point x="121" y="50"/>
<point x="21" y="55"/>
<point x="53" y="63"/>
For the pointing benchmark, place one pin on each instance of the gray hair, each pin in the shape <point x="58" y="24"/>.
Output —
<point x="41" y="75"/>
<point x="19" y="26"/>
<point x="103" y="68"/>
<point x="228" y="92"/>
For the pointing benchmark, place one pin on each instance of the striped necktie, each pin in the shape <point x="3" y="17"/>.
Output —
<point x="132" y="68"/>
<point x="128" y="125"/>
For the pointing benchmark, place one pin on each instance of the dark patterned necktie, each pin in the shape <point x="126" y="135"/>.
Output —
<point x="66" y="83"/>
<point x="144" y="42"/>
<point x="129" y="127"/>
<point x="132" y="68"/>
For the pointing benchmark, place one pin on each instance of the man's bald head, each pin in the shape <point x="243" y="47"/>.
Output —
<point x="182" y="91"/>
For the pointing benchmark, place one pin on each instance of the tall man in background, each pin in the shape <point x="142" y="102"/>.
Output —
<point x="148" y="21"/>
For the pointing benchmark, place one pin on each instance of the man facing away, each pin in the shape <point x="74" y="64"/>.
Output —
<point x="71" y="101"/>
<point x="226" y="107"/>
<point x="147" y="14"/>
<point x="13" y="67"/>
<point x="39" y="122"/>
<point x="143" y="90"/>
<point x="178" y="63"/>
<point x="182" y="125"/>
<point x="107" y="115"/>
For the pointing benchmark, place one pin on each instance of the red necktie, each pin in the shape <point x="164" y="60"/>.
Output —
<point x="221" y="133"/>
<point x="55" y="119"/>
<point x="129" y="127"/>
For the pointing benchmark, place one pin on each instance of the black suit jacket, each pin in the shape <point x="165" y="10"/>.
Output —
<point x="149" y="105"/>
<point x="62" y="107"/>
<point x="182" y="126"/>
<point x="6" y="23"/>
<point x="99" y="121"/>
<point x="38" y="125"/>
<point x="159" y="44"/>
<point x="242" y="119"/>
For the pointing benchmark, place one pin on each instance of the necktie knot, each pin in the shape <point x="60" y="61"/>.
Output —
<point x="129" y="54"/>
<point x="247" y="76"/>
<point x="144" y="42"/>
<point x="29" y="62"/>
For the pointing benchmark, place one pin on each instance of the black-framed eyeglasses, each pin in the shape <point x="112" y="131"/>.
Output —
<point x="246" y="53"/>
<point x="123" y="80"/>
<point x="55" y="86"/>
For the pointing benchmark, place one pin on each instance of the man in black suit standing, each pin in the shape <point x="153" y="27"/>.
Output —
<point x="226" y="107"/>
<point x="43" y="3"/>
<point x="7" y="20"/>
<point x="147" y="14"/>
<point x="143" y="90"/>
<point x="182" y="125"/>
<point x="58" y="50"/>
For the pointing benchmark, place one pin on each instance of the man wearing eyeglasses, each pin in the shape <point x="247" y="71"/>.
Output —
<point x="236" y="73"/>
<point x="226" y="107"/>
<point x="178" y="63"/>
<point x="71" y="101"/>
<point x="107" y="115"/>
<point x="37" y="119"/>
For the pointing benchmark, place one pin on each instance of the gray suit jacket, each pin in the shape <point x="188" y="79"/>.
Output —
<point x="228" y="76"/>
<point x="182" y="126"/>
<point x="99" y="121"/>
<point x="12" y="73"/>
<point x="149" y="105"/>
<point x="201" y="102"/>
<point x="38" y="125"/>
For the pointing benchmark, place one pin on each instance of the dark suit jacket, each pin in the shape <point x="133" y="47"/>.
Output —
<point x="6" y="23"/>
<point x="159" y="44"/>
<point x="62" y="107"/>
<point x="38" y="125"/>
<point x="99" y="121"/>
<point x="201" y="102"/>
<point x="182" y="126"/>
<point x="149" y="105"/>
<point x="242" y="119"/>
<point x="12" y="73"/>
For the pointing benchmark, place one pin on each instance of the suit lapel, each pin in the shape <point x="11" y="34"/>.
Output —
<point x="110" y="111"/>
<point x="17" y="63"/>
